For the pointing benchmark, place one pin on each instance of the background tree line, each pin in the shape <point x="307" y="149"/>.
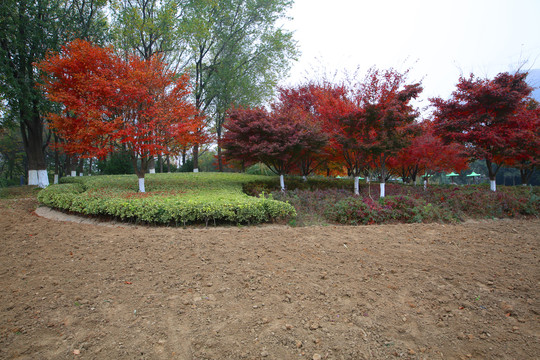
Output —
<point x="233" y="50"/>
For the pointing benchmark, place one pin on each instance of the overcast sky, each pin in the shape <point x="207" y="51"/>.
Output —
<point x="438" y="39"/>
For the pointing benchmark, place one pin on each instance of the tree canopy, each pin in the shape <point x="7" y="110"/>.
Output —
<point x="110" y="102"/>
<point x="481" y="114"/>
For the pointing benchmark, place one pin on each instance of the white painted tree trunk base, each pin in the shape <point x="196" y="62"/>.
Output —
<point x="425" y="184"/>
<point x="356" y="185"/>
<point x="43" y="178"/>
<point x="304" y="177"/>
<point x="55" y="179"/>
<point x="81" y="174"/>
<point x="73" y="173"/>
<point x="196" y="170"/>
<point x="151" y="171"/>
<point x="282" y="182"/>
<point x="141" y="185"/>
<point x="32" y="177"/>
<point x="493" y="185"/>
<point x="382" y="187"/>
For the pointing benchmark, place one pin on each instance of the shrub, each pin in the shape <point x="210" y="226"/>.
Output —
<point x="178" y="199"/>
<point x="271" y="184"/>
<point x="210" y="198"/>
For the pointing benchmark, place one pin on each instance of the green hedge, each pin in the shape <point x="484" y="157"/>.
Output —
<point x="270" y="184"/>
<point x="173" y="199"/>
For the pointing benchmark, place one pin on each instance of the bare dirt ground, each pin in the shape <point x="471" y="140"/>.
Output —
<point x="426" y="291"/>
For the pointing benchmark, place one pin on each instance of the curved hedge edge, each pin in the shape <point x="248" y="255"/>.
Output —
<point x="170" y="211"/>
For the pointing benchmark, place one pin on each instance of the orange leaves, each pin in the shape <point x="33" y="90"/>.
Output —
<point x="110" y="101"/>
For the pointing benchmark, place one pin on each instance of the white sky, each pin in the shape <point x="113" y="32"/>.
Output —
<point x="437" y="39"/>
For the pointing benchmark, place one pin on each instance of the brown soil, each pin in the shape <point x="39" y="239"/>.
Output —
<point x="426" y="291"/>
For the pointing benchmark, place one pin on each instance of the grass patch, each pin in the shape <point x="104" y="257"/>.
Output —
<point x="18" y="192"/>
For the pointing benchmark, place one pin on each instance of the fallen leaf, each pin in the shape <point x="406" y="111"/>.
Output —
<point x="76" y="352"/>
<point x="128" y="282"/>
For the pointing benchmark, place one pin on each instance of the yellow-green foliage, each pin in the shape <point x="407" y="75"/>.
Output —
<point x="181" y="198"/>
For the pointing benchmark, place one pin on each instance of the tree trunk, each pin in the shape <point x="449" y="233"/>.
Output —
<point x="56" y="160"/>
<point x="151" y="166"/>
<point x="160" y="160"/>
<point x="282" y="182"/>
<point x="382" y="184"/>
<point x="141" y="172"/>
<point x="219" y="154"/>
<point x="67" y="165"/>
<point x="219" y="159"/>
<point x="525" y="175"/>
<point x="74" y="166"/>
<point x="356" y="185"/>
<point x="492" y="173"/>
<point x="80" y="167"/>
<point x="196" y="158"/>
<point x="32" y="134"/>
<point x="169" y="164"/>
<point x="184" y="154"/>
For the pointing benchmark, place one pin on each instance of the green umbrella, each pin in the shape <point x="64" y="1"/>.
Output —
<point x="452" y="175"/>
<point x="473" y="175"/>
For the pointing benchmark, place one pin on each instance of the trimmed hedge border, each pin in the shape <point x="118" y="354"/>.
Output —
<point x="207" y="206"/>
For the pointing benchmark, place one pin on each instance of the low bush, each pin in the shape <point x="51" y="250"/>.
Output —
<point x="173" y="199"/>
<point x="410" y="204"/>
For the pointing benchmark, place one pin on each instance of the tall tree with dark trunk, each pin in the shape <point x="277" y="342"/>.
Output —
<point x="28" y="29"/>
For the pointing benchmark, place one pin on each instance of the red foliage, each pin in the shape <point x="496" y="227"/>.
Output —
<point x="278" y="138"/>
<point x="480" y="115"/>
<point x="371" y="122"/>
<point x="110" y="102"/>
<point x="298" y="104"/>
<point x="427" y="153"/>
<point x="524" y="141"/>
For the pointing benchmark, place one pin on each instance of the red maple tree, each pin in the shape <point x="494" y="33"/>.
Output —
<point x="278" y="139"/>
<point x="371" y="122"/>
<point x="480" y="116"/>
<point x="298" y="104"/>
<point x="428" y="154"/>
<point x="110" y="102"/>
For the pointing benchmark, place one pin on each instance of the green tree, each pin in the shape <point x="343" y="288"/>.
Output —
<point x="236" y="54"/>
<point x="28" y="29"/>
<point x="146" y="28"/>
<point x="149" y="27"/>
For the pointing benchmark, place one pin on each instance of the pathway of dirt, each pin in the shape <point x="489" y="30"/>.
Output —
<point x="424" y="291"/>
